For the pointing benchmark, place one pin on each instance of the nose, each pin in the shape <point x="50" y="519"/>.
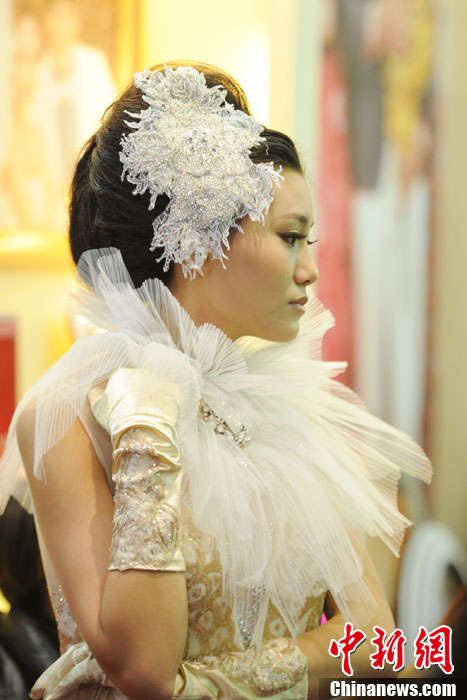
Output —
<point x="306" y="271"/>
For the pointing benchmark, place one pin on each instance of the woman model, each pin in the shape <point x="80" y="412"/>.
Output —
<point x="201" y="483"/>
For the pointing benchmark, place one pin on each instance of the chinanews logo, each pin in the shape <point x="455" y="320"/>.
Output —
<point x="430" y="648"/>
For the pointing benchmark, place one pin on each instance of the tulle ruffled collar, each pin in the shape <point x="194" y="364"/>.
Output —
<point x="151" y="312"/>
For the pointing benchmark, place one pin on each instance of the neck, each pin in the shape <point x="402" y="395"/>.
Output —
<point x="194" y="295"/>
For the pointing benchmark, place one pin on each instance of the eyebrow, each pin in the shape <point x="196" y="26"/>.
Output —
<point x="298" y="217"/>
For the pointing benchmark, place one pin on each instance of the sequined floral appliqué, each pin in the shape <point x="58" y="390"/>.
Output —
<point x="67" y="628"/>
<point x="280" y="666"/>
<point x="146" y="525"/>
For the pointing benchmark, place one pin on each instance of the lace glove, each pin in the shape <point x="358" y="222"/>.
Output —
<point x="139" y="410"/>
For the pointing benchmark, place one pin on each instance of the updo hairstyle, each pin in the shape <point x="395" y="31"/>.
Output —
<point x="103" y="210"/>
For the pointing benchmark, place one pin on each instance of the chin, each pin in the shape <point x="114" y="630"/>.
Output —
<point x="281" y="335"/>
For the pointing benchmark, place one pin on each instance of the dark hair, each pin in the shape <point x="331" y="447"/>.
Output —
<point x="103" y="210"/>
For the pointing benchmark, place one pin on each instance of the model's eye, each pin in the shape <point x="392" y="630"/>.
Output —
<point x="312" y="242"/>
<point x="292" y="237"/>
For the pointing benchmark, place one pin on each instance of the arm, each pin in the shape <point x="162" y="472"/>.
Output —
<point x="315" y="644"/>
<point x="133" y="621"/>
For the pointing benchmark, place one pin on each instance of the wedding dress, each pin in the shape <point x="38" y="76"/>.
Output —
<point x="285" y="475"/>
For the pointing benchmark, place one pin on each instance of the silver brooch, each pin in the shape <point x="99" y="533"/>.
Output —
<point x="221" y="427"/>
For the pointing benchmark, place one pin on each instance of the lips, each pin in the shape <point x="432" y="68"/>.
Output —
<point x="298" y="305"/>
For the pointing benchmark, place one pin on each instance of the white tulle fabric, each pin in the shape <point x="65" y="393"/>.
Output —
<point x="289" y="511"/>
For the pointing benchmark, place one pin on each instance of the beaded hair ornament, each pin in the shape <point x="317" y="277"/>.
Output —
<point x="193" y="146"/>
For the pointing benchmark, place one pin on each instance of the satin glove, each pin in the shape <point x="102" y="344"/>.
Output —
<point x="139" y="409"/>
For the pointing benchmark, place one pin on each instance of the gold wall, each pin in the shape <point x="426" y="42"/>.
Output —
<point x="233" y="36"/>
<point x="36" y="276"/>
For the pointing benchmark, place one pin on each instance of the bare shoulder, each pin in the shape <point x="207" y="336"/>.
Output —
<point x="25" y="431"/>
<point x="75" y="448"/>
<point x="25" y="425"/>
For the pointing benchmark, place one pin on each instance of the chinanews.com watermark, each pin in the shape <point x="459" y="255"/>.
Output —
<point x="432" y="660"/>
<point x="391" y="688"/>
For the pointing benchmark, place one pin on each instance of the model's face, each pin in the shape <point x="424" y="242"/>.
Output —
<point x="269" y="268"/>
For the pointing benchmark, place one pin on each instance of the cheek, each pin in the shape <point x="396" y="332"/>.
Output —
<point x="274" y="271"/>
<point x="259" y="273"/>
<point x="266" y="259"/>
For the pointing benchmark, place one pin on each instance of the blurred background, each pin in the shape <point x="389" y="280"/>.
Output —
<point x="374" y="94"/>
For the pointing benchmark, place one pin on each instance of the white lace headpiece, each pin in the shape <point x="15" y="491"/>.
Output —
<point x="193" y="146"/>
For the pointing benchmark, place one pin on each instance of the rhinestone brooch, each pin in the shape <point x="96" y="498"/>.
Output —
<point x="220" y="426"/>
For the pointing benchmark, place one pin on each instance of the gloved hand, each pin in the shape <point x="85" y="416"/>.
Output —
<point x="139" y="409"/>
